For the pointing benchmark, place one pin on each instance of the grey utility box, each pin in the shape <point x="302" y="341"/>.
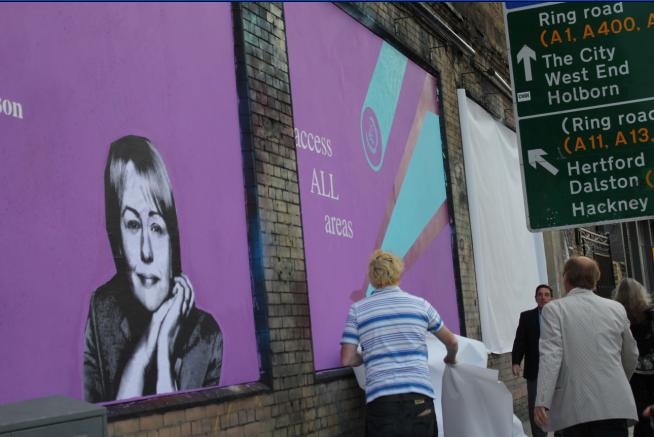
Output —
<point x="54" y="416"/>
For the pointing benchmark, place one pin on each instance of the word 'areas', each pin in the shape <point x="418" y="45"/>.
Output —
<point x="338" y="226"/>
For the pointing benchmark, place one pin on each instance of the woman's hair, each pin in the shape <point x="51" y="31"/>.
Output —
<point x="633" y="296"/>
<point x="384" y="269"/>
<point x="149" y="165"/>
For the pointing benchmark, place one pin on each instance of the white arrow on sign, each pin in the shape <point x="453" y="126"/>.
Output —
<point x="526" y="55"/>
<point x="535" y="156"/>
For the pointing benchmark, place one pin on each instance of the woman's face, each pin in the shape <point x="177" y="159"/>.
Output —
<point x="146" y="242"/>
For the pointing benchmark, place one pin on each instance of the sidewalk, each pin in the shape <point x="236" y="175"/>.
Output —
<point x="527" y="428"/>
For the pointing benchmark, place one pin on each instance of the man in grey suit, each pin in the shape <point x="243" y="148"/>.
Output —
<point x="587" y="355"/>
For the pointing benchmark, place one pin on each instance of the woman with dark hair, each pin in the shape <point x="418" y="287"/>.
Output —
<point x="633" y="296"/>
<point x="144" y="334"/>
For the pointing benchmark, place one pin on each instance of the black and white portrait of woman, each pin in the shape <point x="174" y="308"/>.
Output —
<point x="144" y="335"/>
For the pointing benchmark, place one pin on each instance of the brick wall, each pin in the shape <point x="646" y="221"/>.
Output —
<point x="291" y="399"/>
<point x="482" y="25"/>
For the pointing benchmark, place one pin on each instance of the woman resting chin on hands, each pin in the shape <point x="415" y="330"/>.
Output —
<point x="160" y="338"/>
<point x="144" y="334"/>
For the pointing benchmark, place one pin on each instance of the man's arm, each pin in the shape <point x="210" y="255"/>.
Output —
<point x="519" y="345"/>
<point x="551" y="356"/>
<point x="436" y="326"/>
<point x="350" y="341"/>
<point x="350" y="357"/>
<point x="450" y="342"/>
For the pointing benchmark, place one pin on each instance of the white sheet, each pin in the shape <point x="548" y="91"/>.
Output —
<point x="475" y="403"/>
<point x="466" y="385"/>
<point x="509" y="260"/>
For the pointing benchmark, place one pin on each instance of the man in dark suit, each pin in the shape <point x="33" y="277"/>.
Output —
<point x="525" y="346"/>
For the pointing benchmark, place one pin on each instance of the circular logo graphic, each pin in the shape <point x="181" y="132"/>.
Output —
<point x="371" y="138"/>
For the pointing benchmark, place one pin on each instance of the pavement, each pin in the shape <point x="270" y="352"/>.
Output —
<point x="527" y="428"/>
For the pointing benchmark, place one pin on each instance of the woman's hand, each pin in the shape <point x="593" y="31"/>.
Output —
<point x="132" y="379"/>
<point x="182" y="302"/>
<point x="160" y="336"/>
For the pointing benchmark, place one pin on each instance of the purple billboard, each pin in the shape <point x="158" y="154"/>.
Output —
<point x="371" y="174"/>
<point x="125" y="256"/>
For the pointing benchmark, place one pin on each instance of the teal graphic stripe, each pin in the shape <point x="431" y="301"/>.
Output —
<point x="383" y="95"/>
<point x="422" y="192"/>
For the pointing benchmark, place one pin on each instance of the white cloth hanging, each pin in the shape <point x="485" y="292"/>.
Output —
<point x="472" y="397"/>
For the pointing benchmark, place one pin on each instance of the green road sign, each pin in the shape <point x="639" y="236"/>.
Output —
<point x="583" y="78"/>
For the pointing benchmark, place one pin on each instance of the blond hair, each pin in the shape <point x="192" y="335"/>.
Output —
<point x="384" y="269"/>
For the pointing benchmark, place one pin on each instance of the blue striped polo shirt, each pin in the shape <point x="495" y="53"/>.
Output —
<point x="391" y="326"/>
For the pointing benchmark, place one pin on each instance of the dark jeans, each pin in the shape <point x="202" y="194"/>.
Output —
<point x="599" y="428"/>
<point x="643" y="389"/>
<point x="404" y="415"/>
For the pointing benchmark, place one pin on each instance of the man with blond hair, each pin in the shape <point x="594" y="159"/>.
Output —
<point x="587" y="355"/>
<point x="390" y="325"/>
